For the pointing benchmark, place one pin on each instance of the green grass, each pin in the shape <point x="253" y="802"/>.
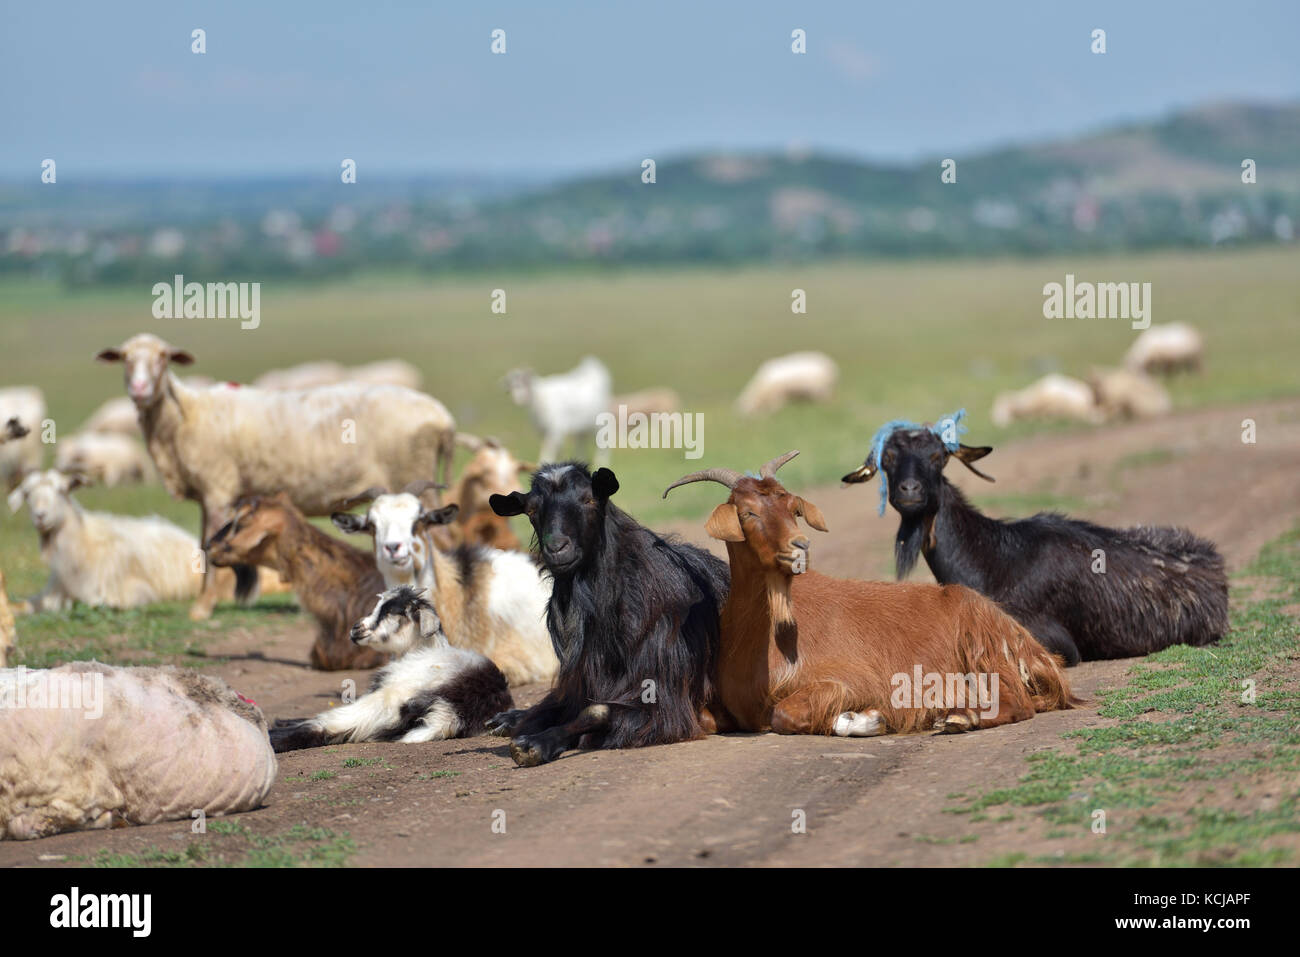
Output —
<point x="237" y="846"/>
<point x="1187" y="747"/>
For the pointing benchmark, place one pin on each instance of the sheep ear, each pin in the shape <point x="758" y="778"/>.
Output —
<point x="863" y="473"/>
<point x="507" y="505"/>
<point x="724" y="524"/>
<point x="437" y="516"/>
<point x="812" y="515"/>
<point x="966" y="455"/>
<point x="603" y="483"/>
<point x="347" y="522"/>
<point x="181" y="357"/>
<point x="109" y="355"/>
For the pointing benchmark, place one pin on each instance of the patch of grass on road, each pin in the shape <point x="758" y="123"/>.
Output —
<point x="235" y="845"/>
<point x="1197" y="773"/>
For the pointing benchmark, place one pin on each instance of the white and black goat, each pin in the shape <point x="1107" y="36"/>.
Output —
<point x="432" y="691"/>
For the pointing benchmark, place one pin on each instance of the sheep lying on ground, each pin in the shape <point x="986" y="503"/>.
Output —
<point x="216" y="445"/>
<point x="118" y="561"/>
<point x="490" y="601"/>
<point x="563" y="405"/>
<point x="1054" y="396"/>
<point x="647" y="401"/>
<point x="799" y="376"/>
<point x="93" y="746"/>
<point x="1122" y="393"/>
<point x="117" y="416"/>
<point x="1166" y="348"/>
<point x="8" y="633"/>
<point x="431" y="692"/>
<point x="313" y="375"/>
<point x="21" y="449"/>
<point x="106" y="458"/>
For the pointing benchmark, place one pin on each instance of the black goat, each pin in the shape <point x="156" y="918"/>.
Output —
<point x="633" y="616"/>
<point x="1084" y="591"/>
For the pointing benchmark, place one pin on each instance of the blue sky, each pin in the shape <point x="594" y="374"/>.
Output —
<point x="287" y="87"/>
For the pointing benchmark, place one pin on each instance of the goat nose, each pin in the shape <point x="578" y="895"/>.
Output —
<point x="800" y="543"/>
<point x="910" y="487"/>
<point x="557" y="544"/>
<point x="393" y="547"/>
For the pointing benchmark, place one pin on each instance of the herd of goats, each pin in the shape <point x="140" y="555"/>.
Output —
<point x="643" y="638"/>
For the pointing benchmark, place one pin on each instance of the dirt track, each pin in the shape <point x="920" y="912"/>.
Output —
<point x="731" y="799"/>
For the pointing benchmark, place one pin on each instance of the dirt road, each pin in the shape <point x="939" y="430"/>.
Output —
<point x="733" y="799"/>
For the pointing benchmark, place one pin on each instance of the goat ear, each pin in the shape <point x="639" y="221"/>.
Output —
<point x="181" y="357"/>
<point x="437" y="516"/>
<point x="507" y="505"/>
<point x="109" y="355"/>
<point x="603" y="483"/>
<point x="724" y="524"/>
<point x="966" y="455"/>
<point x="347" y="522"/>
<point x="812" y="515"/>
<point x="527" y="468"/>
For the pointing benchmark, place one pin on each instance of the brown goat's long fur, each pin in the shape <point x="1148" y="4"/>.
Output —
<point x="799" y="650"/>
<point x="335" y="582"/>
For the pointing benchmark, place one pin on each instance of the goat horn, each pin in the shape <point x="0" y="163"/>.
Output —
<point x="727" y="477"/>
<point x="769" y="469"/>
<point x="420" y="486"/>
<point x="369" y="495"/>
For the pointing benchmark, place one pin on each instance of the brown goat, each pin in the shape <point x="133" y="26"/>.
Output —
<point x="803" y="653"/>
<point x="335" y="582"/>
<point x="493" y="470"/>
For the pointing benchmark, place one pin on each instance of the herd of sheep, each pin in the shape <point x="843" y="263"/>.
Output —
<point x="442" y="599"/>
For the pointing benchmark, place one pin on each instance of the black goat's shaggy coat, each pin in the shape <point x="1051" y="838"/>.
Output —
<point x="1160" y="586"/>
<point x="634" y="623"/>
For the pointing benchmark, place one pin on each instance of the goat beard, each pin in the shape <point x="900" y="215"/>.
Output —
<point x="779" y="605"/>
<point x="912" y="534"/>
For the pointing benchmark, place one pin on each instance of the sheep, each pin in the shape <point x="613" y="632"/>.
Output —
<point x="563" y="405"/>
<point x="88" y="745"/>
<point x="335" y="582"/>
<point x="387" y="372"/>
<point x="490" y="601"/>
<point x="307" y="375"/>
<point x="114" y="561"/>
<point x="24" y="406"/>
<point x="116" y="416"/>
<point x="647" y="402"/>
<point x="1166" y="348"/>
<point x="803" y="653"/>
<point x="106" y="458"/>
<point x="1122" y="393"/>
<point x="215" y="445"/>
<point x="1054" y="396"/>
<point x="430" y="692"/>
<point x="799" y="376"/>
<point x="492" y="470"/>
<point x="633" y="616"/>
<point x="1085" y="591"/>
<point x="8" y="633"/>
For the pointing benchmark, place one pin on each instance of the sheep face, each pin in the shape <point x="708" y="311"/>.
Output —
<point x="402" y="618"/>
<point x="13" y="429"/>
<point x="46" y="496"/>
<point x="397" y="522"/>
<point x="145" y="359"/>
<point x="913" y="460"/>
<point x="566" y="506"/>
<point x="250" y="536"/>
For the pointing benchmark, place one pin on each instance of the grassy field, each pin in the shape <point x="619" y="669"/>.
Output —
<point x="912" y="340"/>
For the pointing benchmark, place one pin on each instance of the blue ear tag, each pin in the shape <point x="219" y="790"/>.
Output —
<point x="948" y="429"/>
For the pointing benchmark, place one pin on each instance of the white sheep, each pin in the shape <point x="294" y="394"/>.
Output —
<point x="92" y="746"/>
<point x="19" y="453"/>
<point x="1124" y="393"/>
<point x="1054" y="396"/>
<point x="107" y="458"/>
<point x="387" y="372"/>
<point x="1166" y="348"/>
<point x="306" y="375"/>
<point x="8" y="632"/>
<point x="490" y="601"/>
<point x="802" y="376"/>
<point x="431" y="691"/>
<point x="319" y="445"/>
<point x="116" y="561"/>
<point x="564" y="405"/>
<point x="117" y="416"/>
<point x="647" y="401"/>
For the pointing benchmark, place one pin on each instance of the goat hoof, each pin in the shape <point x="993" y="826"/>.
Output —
<point x="954" y="723"/>
<point x="527" y="753"/>
<point x="852" y="724"/>
<point x="501" y="723"/>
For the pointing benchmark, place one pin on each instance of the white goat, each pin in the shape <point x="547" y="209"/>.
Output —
<point x="117" y="561"/>
<point x="564" y="405"/>
<point x="20" y="452"/>
<point x="107" y="458"/>
<point x="490" y="601"/>
<point x="92" y="746"/>
<point x="1054" y="396"/>
<point x="1166" y="348"/>
<point x="431" y="690"/>
<point x="804" y="376"/>
<point x="216" y="445"/>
